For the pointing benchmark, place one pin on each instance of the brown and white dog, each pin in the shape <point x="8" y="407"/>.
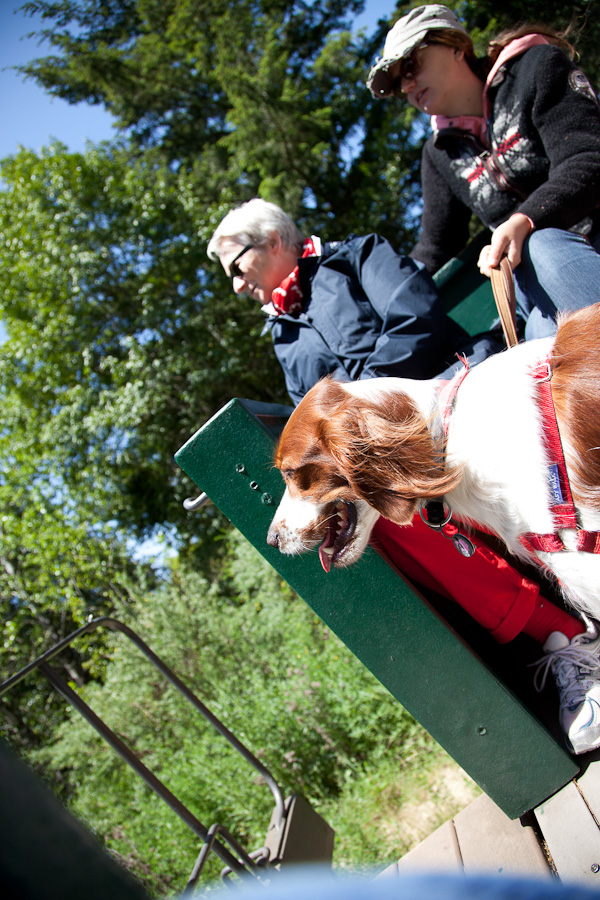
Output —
<point x="353" y="451"/>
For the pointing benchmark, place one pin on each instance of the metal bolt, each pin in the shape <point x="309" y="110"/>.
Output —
<point x="240" y="468"/>
<point x="482" y="730"/>
<point x="595" y="867"/>
<point x="266" y="499"/>
<point x="255" y="485"/>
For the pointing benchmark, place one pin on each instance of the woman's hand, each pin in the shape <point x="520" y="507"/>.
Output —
<point x="507" y="240"/>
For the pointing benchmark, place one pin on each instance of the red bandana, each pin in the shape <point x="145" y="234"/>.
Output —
<point x="287" y="298"/>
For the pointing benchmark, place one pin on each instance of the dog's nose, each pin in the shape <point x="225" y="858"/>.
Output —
<point x="272" y="538"/>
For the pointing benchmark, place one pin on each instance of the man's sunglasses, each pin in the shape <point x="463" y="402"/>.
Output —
<point x="234" y="269"/>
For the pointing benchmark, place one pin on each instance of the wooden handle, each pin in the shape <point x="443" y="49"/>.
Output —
<point x="503" y="287"/>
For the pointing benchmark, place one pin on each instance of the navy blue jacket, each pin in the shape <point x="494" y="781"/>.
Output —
<point x="367" y="312"/>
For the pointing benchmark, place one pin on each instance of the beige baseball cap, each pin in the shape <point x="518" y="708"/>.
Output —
<point x="407" y="33"/>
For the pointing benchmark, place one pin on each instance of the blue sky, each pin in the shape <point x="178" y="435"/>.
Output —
<point x="31" y="118"/>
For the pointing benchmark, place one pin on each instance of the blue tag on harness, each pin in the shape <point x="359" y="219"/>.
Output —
<point x="554" y="484"/>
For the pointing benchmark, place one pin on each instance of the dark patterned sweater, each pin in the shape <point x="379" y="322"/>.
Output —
<point x="543" y="159"/>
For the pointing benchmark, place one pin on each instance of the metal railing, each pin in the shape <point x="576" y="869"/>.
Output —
<point x="240" y="861"/>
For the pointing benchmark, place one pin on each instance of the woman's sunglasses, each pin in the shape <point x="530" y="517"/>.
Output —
<point x="410" y="67"/>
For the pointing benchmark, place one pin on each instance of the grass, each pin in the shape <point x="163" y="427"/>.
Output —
<point x="395" y="806"/>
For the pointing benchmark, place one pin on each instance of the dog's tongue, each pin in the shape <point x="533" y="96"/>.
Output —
<point x="328" y="542"/>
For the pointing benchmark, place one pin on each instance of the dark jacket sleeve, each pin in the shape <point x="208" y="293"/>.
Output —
<point x="566" y="116"/>
<point x="304" y="356"/>
<point x="416" y="336"/>
<point x="367" y="312"/>
<point x="445" y="220"/>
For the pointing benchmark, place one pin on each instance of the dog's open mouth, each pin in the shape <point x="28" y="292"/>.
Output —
<point x="340" y="531"/>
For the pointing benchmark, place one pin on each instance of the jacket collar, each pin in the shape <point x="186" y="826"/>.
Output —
<point x="445" y="126"/>
<point x="288" y="297"/>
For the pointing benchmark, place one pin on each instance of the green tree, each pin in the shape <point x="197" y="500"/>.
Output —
<point x="119" y="345"/>
<point x="486" y="18"/>
<point x="55" y="572"/>
<point x="266" y="97"/>
<point x="118" y="348"/>
<point x="274" y="675"/>
<point x="122" y="341"/>
<point x="249" y="98"/>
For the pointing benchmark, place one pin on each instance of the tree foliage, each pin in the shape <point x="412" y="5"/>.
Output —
<point x="250" y="97"/>
<point x="119" y="345"/>
<point x="122" y="341"/>
<point x="484" y="19"/>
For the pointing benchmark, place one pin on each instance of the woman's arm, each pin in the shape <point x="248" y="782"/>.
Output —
<point x="507" y="240"/>
<point x="565" y="115"/>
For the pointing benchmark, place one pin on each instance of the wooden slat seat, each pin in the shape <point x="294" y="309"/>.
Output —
<point x="481" y="838"/>
<point x="559" y="838"/>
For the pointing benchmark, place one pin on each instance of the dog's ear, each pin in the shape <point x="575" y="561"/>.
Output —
<point x="385" y="450"/>
<point x="389" y="504"/>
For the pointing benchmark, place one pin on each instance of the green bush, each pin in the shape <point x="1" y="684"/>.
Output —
<point x="264" y="664"/>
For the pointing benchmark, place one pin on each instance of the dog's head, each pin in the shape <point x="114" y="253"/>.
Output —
<point x="348" y="454"/>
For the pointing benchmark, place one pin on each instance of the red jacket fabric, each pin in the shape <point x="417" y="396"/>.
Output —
<point x="485" y="585"/>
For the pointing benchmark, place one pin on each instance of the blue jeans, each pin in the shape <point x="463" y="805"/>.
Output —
<point x="559" y="271"/>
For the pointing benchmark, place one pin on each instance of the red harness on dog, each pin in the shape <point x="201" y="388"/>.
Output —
<point x="563" y="508"/>
<point x="447" y="392"/>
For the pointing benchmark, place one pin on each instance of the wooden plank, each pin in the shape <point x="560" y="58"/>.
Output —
<point x="439" y="850"/>
<point x="589" y="785"/>
<point x="387" y="624"/>
<point x="490" y="841"/>
<point x="572" y="836"/>
<point x="481" y="838"/>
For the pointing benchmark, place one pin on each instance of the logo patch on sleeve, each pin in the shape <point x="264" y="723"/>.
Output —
<point x="581" y="85"/>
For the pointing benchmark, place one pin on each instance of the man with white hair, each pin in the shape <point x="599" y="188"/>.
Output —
<point x="353" y="309"/>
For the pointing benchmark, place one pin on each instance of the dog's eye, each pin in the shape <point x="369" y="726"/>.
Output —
<point x="311" y="476"/>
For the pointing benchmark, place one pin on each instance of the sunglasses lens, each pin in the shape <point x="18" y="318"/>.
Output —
<point x="234" y="269"/>
<point x="408" y="67"/>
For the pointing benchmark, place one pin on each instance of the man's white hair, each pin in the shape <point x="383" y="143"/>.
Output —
<point x="252" y="223"/>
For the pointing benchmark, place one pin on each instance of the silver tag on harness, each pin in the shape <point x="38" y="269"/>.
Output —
<point x="463" y="544"/>
<point x="437" y="514"/>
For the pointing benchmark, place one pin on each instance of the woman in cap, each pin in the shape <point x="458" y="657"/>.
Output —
<point x="516" y="141"/>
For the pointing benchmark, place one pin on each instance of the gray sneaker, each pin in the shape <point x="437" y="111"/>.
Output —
<point x="575" y="666"/>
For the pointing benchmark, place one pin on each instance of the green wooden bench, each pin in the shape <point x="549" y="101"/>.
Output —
<point x="474" y="697"/>
<point x="466" y="293"/>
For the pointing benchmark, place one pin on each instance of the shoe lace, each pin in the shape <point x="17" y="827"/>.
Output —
<point x="570" y="666"/>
